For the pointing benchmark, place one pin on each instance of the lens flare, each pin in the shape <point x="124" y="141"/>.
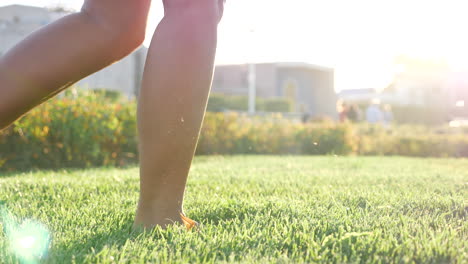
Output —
<point x="29" y="241"/>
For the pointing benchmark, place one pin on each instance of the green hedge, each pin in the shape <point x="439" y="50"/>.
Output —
<point x="95" y="130"/>
<point x="238" y="134"/>
<point x="90" y="130"/>
<point x="415" y="141"/>
<point x="277" y="105"/>
<point x="221" y="103"/>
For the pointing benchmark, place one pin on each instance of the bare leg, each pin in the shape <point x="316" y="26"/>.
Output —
<point x="68" y="50"/>
<point x="172" y="104"/>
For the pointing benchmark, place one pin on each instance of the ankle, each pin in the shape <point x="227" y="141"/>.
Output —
<point x="166" y="206"/>
<point x="151" y="218"/>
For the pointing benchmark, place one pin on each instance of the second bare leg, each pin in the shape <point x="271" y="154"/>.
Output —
<point x="60" y="54"/>
<point x="172" y="104"/>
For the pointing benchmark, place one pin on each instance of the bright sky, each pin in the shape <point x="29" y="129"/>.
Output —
<point x="359" y="38"/>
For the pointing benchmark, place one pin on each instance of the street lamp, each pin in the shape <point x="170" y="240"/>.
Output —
<point x="252" y="79"/>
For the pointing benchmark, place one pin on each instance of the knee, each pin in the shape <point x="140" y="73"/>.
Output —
<point x="204" y="10"/>
<point x="123" y="32"/>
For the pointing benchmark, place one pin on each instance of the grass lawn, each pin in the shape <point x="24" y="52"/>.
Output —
<point x="254" y="209"/>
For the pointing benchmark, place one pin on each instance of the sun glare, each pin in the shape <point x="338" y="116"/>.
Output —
<point x="360" y="38"/>
<point x="28" y="241"/>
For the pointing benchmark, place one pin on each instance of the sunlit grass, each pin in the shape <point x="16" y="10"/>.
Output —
<point x="253" y="209"/>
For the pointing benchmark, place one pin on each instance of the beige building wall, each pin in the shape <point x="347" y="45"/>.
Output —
<point x="311" y="88"/>
<point x="123" y="76"/>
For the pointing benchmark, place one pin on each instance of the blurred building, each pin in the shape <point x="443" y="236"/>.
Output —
<point x="420" y="84"/>
<point x="425" y="82"/>
<point x="359" y="96"/>
<point x="18" y="21"/>
<point x="431" y="84"/>
<point x="457" y="89"/>
<point x="309" y="87"/>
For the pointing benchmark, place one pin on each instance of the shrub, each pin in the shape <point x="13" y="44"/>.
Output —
<point x="327" y="138"/>
<point x="238" y="134"/>
<point x="91" y="129"/>
<point x="416" y="141"/>
<point x="216" y="103"/>
<point x="114" y="96"/>
<point x="221" y="103"/>
<point x="277" y="105"/>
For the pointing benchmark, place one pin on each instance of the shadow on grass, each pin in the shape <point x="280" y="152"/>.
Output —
<point x="11" y="174"/>
<point x="86" y="248"/>
<point x="26" y="172"/>
<point x="243" y="211"/>
<point x="79" y="250"/>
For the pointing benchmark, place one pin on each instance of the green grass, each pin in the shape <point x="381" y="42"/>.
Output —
<point x="257" y="210"/>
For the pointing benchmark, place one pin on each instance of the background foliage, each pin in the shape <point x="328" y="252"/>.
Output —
<point x="94" y="129"/>
<point x="220" y="103"/>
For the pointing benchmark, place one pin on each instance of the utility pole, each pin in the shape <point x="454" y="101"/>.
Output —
<point x="252" y="77"/>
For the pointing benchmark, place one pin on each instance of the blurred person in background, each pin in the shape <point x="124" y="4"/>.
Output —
<point x="374" y="114"/>
<point x="354" y="113"/>
<point x="305" y="116"/>
<point x="388" y="115"/>
<point x="342" y="108"/>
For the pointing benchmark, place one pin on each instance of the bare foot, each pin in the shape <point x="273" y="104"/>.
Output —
<point x="148" y="219"/>
<point x="189" y="223"/>
<point x="149" y="222"/>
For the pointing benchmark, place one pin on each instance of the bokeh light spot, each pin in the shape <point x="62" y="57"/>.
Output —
<point x="28" y="241"/>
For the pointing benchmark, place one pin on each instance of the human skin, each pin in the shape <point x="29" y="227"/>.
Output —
<point x="172" y="103"/>
<point x="58" y="55"/>
<point x="173" y="97"/>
